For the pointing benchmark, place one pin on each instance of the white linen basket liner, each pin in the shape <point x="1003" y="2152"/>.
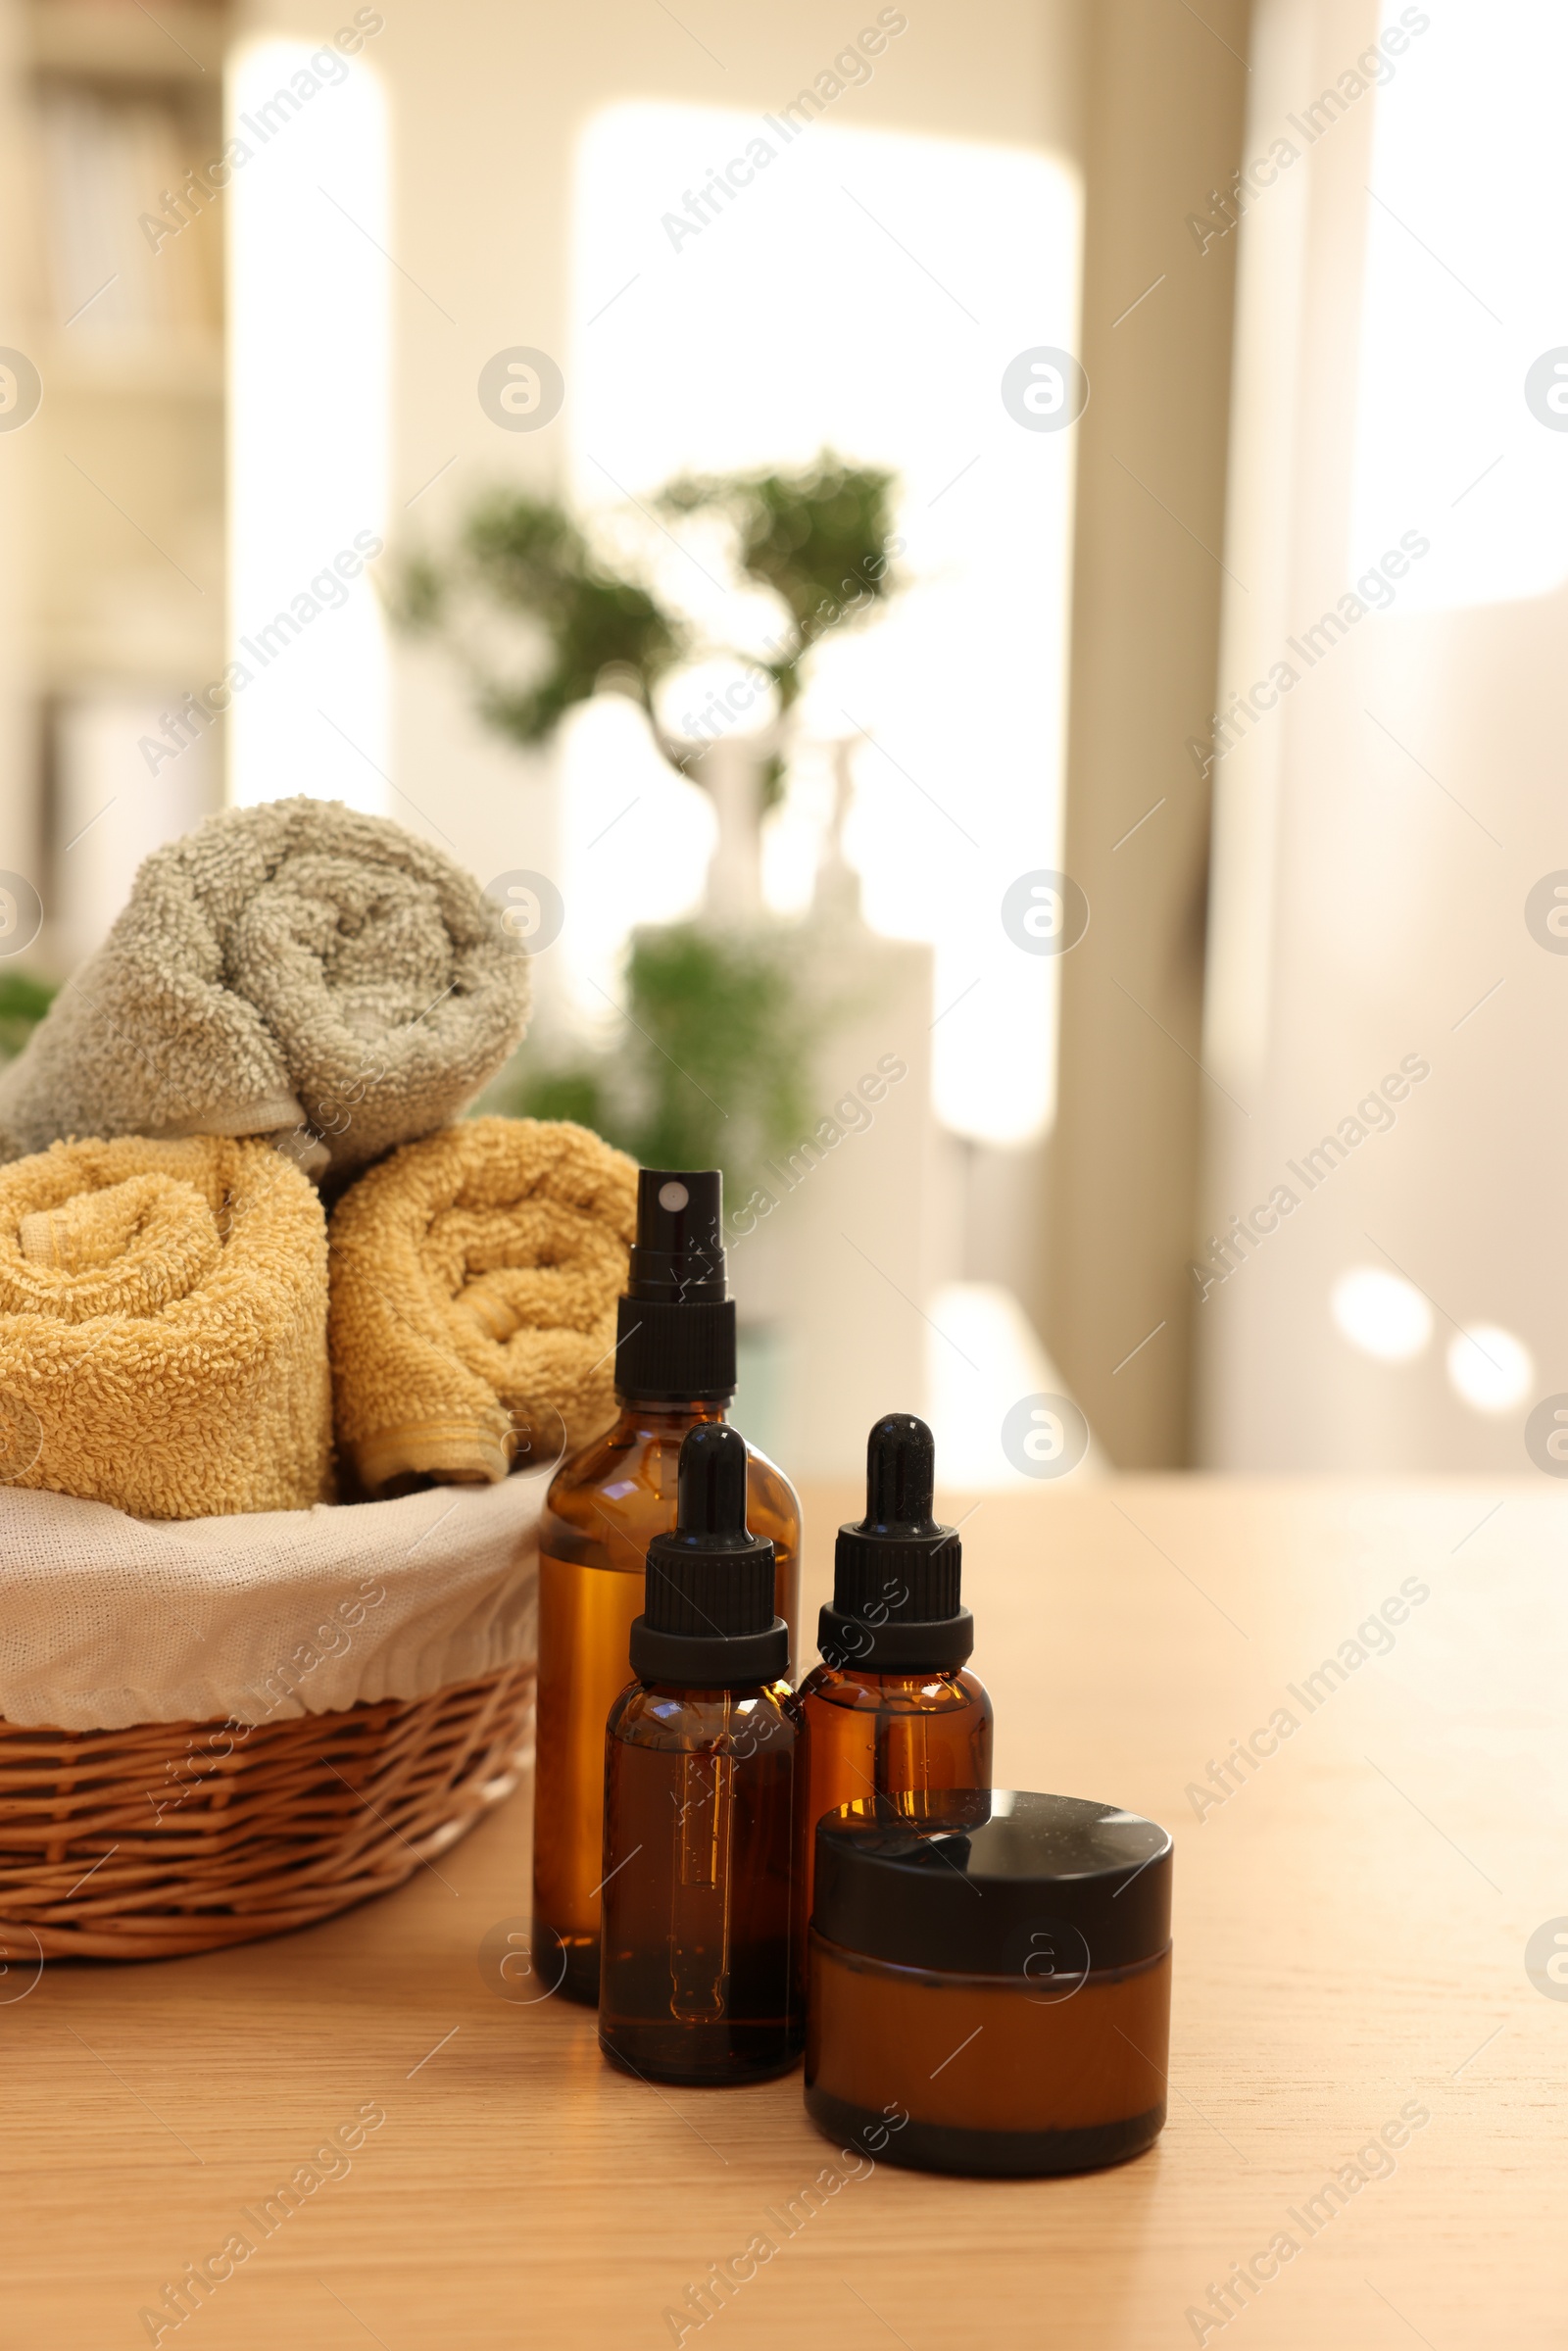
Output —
<point x="106" y="1621"/>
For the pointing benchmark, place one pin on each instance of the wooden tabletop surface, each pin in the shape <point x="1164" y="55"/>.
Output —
<point x="1352" y="1924"/>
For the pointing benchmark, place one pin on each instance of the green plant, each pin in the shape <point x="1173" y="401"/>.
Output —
<point x="712" y="1067"/>
<point x="534" y="615"/>
<point x="23" y="1001"/>
<point x="539" y="618"/>
<point x="820" y="538"/>
<point x="726" y="1084"/>
<point x="573" y="1090"/>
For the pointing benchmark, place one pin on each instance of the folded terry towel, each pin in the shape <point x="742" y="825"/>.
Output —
<point x="293" y="965"/>
<point x="163" y="1327"/>
<point x="474" y="1280"/>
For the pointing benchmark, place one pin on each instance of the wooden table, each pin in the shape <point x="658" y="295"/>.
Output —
<point x="1352" y="1921"/>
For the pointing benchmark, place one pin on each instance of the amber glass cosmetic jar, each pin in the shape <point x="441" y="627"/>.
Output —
<point x="990" y="1982"/>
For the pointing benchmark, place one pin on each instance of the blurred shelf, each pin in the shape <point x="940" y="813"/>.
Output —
<point x="174" y="366"/>
<point x="116" y="40"/>
<point x="88" y="657"/>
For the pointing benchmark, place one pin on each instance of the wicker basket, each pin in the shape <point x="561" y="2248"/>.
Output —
<point x="153" y="1842"/>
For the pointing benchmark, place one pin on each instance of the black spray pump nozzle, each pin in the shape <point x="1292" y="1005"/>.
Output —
<point x="897" y="1573"/>
<point x="676" y="1324"/>
<point x="679" y="1249"/>
<point x="707" y="1618"/>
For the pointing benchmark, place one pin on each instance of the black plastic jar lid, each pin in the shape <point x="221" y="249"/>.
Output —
<point x="994" y="1882"/>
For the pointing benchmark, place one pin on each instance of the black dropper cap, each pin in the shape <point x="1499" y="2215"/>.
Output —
<point x="708" y="1619"/>
<point x="897" y="1575"/>
<point x="676" y="1324"/>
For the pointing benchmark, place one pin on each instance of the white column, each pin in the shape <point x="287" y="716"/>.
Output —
<point x="308" y="374"/>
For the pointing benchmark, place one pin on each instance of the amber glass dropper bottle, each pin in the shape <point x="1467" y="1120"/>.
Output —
<point x="674" y="1371"/>
<point x="701" y="1973"/>
<point x="892" y="1709"/>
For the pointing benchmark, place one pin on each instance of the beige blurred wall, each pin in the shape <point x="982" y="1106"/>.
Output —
<point x="18" y="837"/>
<point x="1165" y="99"/>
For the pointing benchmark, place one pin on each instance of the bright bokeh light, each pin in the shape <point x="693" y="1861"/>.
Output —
<point x="109" y="813"/>
<point x="1462" y="294"/>
<point x="721" y="695"/>
<point x="634" y="843"/>
<point x="982" y="1354"/>
<point x="867" y="291"/>
<point x="1381" y="1313"/>
<point x="1491" y="1368"/>
<point x="308" y="369"/>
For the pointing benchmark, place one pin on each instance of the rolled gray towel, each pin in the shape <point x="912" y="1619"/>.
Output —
<point x="295" y="970"/>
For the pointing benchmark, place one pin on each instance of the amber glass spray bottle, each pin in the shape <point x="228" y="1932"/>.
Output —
<point x="675" y="1370"/>
<point x="892" y="1710"/>
<point x="702" y="1971"/>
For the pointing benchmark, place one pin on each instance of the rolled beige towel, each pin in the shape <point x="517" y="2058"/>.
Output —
<point x="295" y="969"/>
<point x="162" y="1328"/>
<point x="474" y="1278"/>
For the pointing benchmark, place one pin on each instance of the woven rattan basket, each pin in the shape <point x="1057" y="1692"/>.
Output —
<point x="153" y="1842"/>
